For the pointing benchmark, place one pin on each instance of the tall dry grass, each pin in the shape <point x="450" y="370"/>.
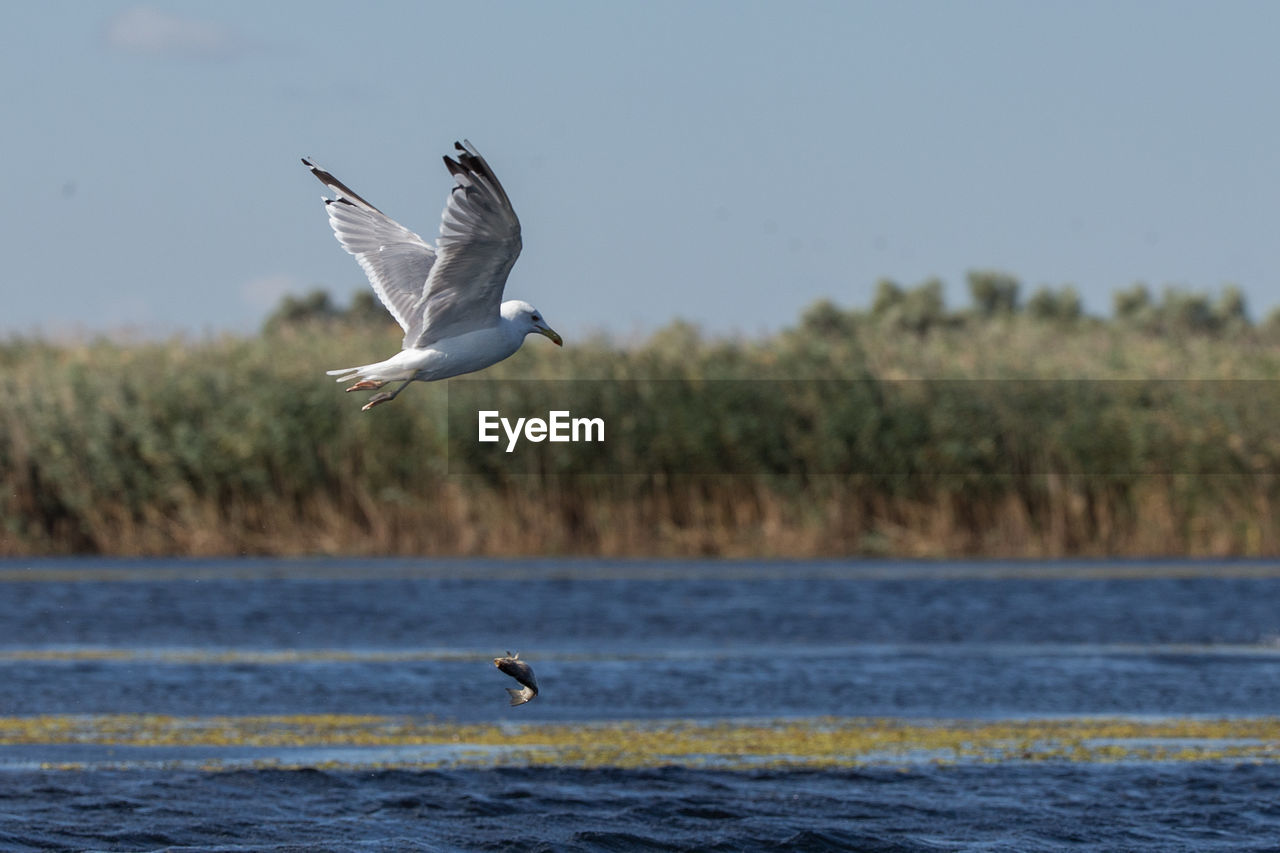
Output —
<point x="242" y="446"/>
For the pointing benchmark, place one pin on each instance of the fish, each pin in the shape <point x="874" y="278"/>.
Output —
<point x="521" y="672"/>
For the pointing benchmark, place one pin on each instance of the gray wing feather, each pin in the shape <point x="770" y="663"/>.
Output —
<point x="479" y="242"/>
<point x="397" y="261"/>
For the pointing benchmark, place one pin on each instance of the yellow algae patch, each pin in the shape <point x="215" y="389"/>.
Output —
<point x="290" y="657"/>
<point x="818" y="743"/>
<point x="42" y="655"/>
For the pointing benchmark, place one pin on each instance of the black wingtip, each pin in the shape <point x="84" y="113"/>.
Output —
<point x="466" y="162"/>
<point x="346" y="195"/>
<point x="454" y="166"/>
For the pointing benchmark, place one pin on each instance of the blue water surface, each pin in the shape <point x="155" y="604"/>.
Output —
<point x="640" y="640"/>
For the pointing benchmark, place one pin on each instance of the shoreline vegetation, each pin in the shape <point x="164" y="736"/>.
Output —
<point x="241" y="445"/>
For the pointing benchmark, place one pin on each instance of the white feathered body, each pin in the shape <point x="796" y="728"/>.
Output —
<point x="449" y="357"/>
<point x="448" y="299"/>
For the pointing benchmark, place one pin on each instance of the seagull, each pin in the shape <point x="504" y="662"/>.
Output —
<point x="521" y="672"/>
<point x="448" y="299"/>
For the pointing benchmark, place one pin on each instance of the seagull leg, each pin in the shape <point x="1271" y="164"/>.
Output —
<point x="384" y="397"/>
<point x="364" y="384"/>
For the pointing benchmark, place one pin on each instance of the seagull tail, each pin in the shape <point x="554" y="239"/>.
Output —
<point x="524" y="694"/>
<point x="391" y="370"/>
<point x="345" y="374"/>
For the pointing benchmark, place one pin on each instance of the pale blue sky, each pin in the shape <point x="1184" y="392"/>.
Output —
<point x="722" y="162"/>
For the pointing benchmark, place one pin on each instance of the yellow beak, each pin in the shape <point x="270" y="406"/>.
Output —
<point x="550" y="333"/>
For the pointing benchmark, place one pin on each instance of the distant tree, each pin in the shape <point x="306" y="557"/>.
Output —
<point x="1270" y="326"/>
<point x="318" y="307"/>
<point x="889" y="295"/>
<point x="825" y="319"/>
<point x="294" y="310"/>
<point x="1132" y="305"/>
<point x="366" y="310"/>
<point x="916" y="309"/>
<point x="1070" y="306"/>
<point x="675" y="338"/>
<point x="1181" y="311"/>
<point x="1230" y="310"/>
<point x="922" y="307"/>
<point x="993" y="293"/>
<point x="1186" y="311"/>
<point x="1061" y="306"/>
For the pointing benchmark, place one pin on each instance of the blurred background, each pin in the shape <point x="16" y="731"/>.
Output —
<point x="851" y="191"/>
<point x="722" y="163"/>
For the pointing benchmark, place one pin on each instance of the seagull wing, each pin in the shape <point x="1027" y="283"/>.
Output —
<point x="396" y="260"/>
<point x="479" y="242"/>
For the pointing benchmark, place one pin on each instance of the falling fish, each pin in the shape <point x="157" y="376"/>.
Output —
<point x="521" y="672"/>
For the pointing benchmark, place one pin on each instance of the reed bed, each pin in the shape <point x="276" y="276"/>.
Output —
<point x="240" y="445"/>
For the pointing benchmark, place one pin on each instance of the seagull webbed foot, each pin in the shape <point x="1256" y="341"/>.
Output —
<point x="384" y="397"/>
<point x="365" y="384"/>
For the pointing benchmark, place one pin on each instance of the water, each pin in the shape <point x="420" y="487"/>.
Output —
<point x="347" y="705"/>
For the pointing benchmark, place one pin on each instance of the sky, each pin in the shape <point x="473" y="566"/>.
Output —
<point x="724" y="163"/>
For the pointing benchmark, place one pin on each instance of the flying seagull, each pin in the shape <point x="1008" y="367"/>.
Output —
<point x="521" y="672"/>
<point x="448" y="299"/>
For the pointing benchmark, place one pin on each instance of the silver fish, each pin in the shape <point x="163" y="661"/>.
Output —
<point x="521" y="672"/>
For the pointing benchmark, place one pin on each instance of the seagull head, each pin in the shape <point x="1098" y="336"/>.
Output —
<point x="528" y="319"/>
